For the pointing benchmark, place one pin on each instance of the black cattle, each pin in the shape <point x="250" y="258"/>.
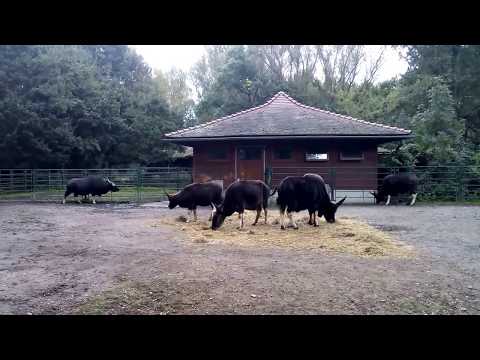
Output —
<point x="394" y="185"/>
<point x="240" y="196"/>
<point x="308" y="192"/>
<point x="89" y="185"/>
<point x="196" y="194"/>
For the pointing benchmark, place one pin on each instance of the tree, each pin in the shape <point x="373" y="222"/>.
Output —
<point x="439" y="132"/>
<point x="79" y="106"/>
<point x="173" y="87"/>
<point x="459" y="65"/>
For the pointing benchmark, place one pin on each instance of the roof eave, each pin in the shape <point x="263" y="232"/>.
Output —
<point x="287" y="137"/>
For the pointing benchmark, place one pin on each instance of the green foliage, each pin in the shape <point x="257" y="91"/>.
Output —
<point x="100" y="106"/>
<point x="439" y="133"/>
<point x="79" y="106"/>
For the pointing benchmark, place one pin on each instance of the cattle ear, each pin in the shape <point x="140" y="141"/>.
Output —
<point x="340" y="202"/>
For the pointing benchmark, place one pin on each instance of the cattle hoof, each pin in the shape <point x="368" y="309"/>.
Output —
<point x="316" y="225"/>
<point x="295" y="227"/>
<point x="254" y="224"/>
<point x="282" y="227"/>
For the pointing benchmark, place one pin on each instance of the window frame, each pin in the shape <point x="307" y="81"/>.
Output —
<point x="210" y="150"/>
<point x="257" y="148"/>
<point x="311" y="152"/>
<point x="279" y="148"/>
<point x="352" y="158"/>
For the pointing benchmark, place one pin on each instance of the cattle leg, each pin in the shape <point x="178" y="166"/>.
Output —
<point x="310" y="219"/>
<point x="259" y="211"/>
<point x="93" y="199"/>
<point x="282" y="219"/>
<point x="189" y="214"/>
<point x="65" y="196"/>
<point x="195" y="214"/>
<point x="388" y="200"/>
<point x="315" y="223"/>
<point x="241" y="221"/>
<point x="78" y="200"/>
<point x="265" y="211"/>
<point x="414" y="197"/>
<point x="211" y="214"/>
<point x="290" y="216"/>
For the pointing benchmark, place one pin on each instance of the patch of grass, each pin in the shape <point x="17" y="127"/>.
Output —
<point x="127" y="298"/>
<point x="125" y="194"/>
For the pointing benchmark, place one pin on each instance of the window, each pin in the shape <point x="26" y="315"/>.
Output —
<point x="283" y="153"/>
<point x="351" y="154"/>
<point x="219" y="153"/>
<point x="316" y="156"/>
<point x="250" y="153"/>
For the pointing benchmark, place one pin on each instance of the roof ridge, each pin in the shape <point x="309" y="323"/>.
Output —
<point x="226" y="117"/>
<point x="342" y="116"/>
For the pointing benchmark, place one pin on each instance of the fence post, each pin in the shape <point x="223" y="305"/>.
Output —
<point x="139" y="174"/>
<point x="460" y="176"/>
<point x="333" y="183"/>
<point x="33" y="184"/>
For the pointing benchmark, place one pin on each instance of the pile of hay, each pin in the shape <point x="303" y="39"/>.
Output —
<point x="346" y="235"/>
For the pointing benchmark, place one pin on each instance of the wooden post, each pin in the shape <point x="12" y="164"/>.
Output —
<point x="33" y="184"/>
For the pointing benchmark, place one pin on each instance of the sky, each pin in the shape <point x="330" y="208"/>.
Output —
<point x="164" y="57"/>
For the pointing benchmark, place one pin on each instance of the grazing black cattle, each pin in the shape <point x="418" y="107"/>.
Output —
<point x="307" y="192"/>
<point x="240" y="196"/>
<point x="196" y="194"/>
<point x="394" y="185"/>
<point x="89" y="185"/>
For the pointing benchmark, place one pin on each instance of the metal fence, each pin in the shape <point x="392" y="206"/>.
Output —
<point x="444" y="183"/>
<point x="435" y="183"/>
<point x="137" y="185"/>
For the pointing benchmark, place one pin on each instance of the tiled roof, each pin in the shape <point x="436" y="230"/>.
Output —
<point x="283" y="116"/>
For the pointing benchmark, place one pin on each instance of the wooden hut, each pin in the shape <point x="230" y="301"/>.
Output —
<point x="284" y="137"/>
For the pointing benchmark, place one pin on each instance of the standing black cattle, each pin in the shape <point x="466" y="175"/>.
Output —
<point x="89" y="185"/>
<point x="196" y="194"/>
<point x="240" y="196"/>
<point x="307" y="192"/>
<point x="394" y="185"/>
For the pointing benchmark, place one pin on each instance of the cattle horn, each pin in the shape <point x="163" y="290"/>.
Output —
<point x="340" y="202"/>
<point x="165" y="191"/>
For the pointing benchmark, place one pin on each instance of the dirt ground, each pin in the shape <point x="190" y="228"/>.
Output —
<point x="105" y="259"/>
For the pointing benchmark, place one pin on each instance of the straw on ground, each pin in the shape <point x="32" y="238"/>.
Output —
<point x="346" y="235"/>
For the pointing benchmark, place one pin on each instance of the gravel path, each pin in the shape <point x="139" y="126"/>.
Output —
<point x="57" y="259"/>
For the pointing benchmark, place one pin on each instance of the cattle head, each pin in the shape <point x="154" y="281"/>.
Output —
<point x="379" y="196"/>
<point x="331" y="209"/>
<point x="112" y="186"/>
<point x="218" y="216"/>
<point x="172" y="200"/>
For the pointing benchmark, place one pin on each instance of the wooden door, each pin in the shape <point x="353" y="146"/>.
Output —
<point x="250" y="163"/>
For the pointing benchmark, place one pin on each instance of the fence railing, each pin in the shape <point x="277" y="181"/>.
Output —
<point x="444" y="183"/>
<point x="449" y="183"/>
<point x="141" y="184"/>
